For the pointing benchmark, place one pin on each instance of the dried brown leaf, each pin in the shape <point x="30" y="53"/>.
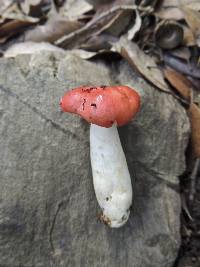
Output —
<point x="171" y="12"/>
<point x="182" y="52"/>
<point x="194" y="115"/>
<point x="192" y="18"/>
<point x="12" y="27"/>
<point x="121" y="24"/>
<point x="98" y="42"/>
<point x="185" y="207"/>
<point x="189" y="39"/>
<point x="182" y="85"/>
<point x="170" y="9"/>
<point x="169" y="34"/>
<point x="54" y="28"/>
<point x="74" y="9"/>
<point x="142" y="63"/>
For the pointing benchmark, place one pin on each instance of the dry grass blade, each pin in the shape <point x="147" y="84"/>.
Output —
<point x="143" y="63"/>
<point x="181" y="84"/>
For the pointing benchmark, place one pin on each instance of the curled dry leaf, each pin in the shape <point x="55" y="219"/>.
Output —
<point x="181" y="84"/>
<point x="74" y="9"/>
<point x="169" y="34"/>
<point x="182" y="53"/>
<point x="194" y="115"/>
<point x="170" y="9"/>
<point x="143" y="63"/>
<point x="55" y="28"/>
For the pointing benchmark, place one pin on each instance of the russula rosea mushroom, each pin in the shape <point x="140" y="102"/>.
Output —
<point x="106" y="107"/>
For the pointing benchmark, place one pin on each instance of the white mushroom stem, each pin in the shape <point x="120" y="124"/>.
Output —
<point x="111" y="178"/>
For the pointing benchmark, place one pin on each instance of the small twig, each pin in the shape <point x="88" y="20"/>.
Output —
<point x="52" y="226"/>
<point x="193" y="177"/>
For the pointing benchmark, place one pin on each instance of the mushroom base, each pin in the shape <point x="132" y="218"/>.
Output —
<point x="111" y="178"/>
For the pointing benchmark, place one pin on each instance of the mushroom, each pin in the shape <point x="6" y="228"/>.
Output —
<point x="106" y="107"/>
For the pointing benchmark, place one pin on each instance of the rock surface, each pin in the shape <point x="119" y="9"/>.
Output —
<point x="48" y="210"/>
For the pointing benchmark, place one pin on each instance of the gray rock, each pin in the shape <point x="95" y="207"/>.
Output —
<point x="48" y="209"/>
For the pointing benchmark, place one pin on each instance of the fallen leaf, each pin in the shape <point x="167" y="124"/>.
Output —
<point x="188" y="39"/>
<point x="192" y="18"/>
<point x="171" y="12"/>
<point x="168" y="34"/>
<point x="121" y="24"/>
<point x="99" y="23"/>
<point x="182" y="85"/>
<point x="182" y="52"/>
<point x="170" y="9"/>
<point x="27" y="5"/>
<point x="98" y="42"/>
<point x="194" y="115"/>
<point x="4" y="5"/>
<point x="55" y="27"/>
<point x="13" y="27"/>
<point x="182" y="66"/>
<point x="143" y="63"/>
<point x="15" y="13"/>
<point x="74" y="9"/>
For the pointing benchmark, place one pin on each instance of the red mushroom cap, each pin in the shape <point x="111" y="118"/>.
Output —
<point x="103" y="105"/>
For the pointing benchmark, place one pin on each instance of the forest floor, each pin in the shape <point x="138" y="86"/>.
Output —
<point x="160" y="40"/>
